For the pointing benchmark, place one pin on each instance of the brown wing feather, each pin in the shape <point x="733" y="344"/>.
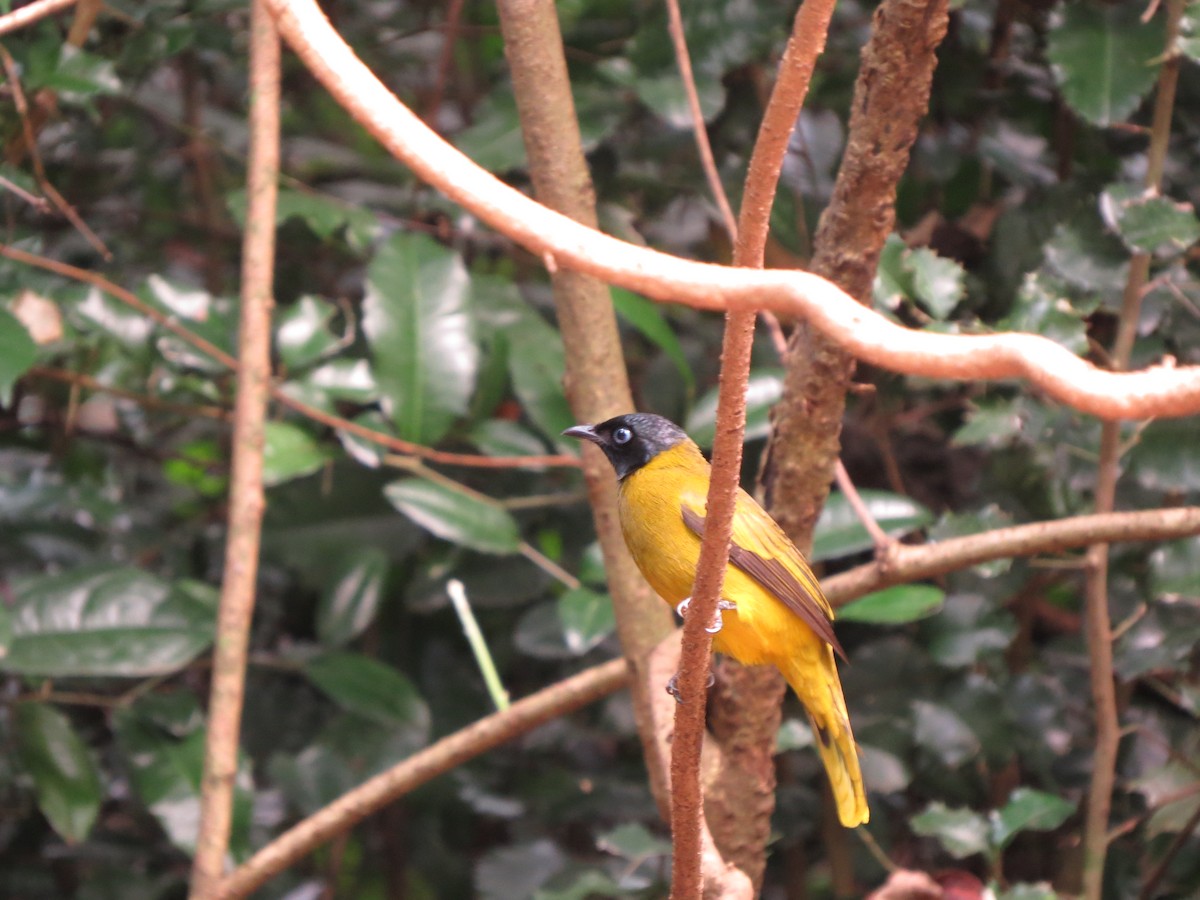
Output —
<point x="775" y="577"/>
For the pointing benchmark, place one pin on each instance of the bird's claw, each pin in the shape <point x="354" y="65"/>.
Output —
<point x="717" y="623"/>
<point x="673" y="685"/>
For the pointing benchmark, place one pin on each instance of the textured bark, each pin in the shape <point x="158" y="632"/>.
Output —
<point x="890" y="98"/>
<point x="596" y="384"/>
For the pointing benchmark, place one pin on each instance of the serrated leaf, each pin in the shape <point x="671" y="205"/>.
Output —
<point x="369" y="688"/>
<point x="351" y="599"/>
<point x="65" y="778"/>
<point x="114" y="622"/>
<point x="839" y="531"/>
<point x="289" y="452"/>
<point x="587" y="619"/>
<point x="644" y="315"/>
<point x="895" y="605"/>
<point x="1149" y="224"/>
<point x="455" y="517"/>
<point x="1084" y="255"/>
<point x="763" y="390"/>
<point x="17" y="354"/>
<point x="417" y="318"/>
<point x="962" y="832"/>
<point x="1105" y="58"/>
<point x="1028" y="810"/>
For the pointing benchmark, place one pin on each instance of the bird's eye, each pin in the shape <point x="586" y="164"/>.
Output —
<point x="622" y="436"/>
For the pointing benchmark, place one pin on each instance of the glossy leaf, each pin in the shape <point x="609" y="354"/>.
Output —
<point x="498" y="437"/>
<point x="1083" y="254"/>
<point x="1043" y="307"/>
<point x="455" y="517"/>
<point x="895" y="605"/>
<point x="289" y="452"/>
<point x="536" y="366"/>
<point x="587" y="619"/>
<point x="165" y="758"/>
<point x="763" y="391"/>
<point x="65" y="778"/>
<point x="1029" y="810"/>
<point x="1175" y="567"/>
<point x="1104" y="58"/>
<point x="417" y="319"/>
<point x="107" y="622"/>
<point x="351" y="599"/>
<point x="17" y="353"/>
<point x="839" y="531"/>
<point x="944" y="734"/>
<point x="540" y="633"/>
<point x="302" y="332"/>
<point x="644" y="315"/>
<point x="369" y="688"/>
<point x="1165" y="458"/>
<point x="968" y="629"/>
<point x="962" y="832"/>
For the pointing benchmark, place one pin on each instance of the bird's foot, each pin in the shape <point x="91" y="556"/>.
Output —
<point x="717" y="623"/>
<point x="673" y="685"/>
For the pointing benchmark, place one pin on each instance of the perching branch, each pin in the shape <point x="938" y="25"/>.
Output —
<point x="1160" y="391"/>
<point x="27" y="15"/>
<point x="559" y="699"/>
<point x="246" y="498"/>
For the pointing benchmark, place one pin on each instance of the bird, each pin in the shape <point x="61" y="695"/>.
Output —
<point x="772" y="610"/>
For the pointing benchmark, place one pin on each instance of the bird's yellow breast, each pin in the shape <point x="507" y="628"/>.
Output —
<point x="761" y="629"/>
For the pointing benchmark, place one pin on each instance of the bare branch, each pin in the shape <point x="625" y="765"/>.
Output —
<point x="27" y="15"/>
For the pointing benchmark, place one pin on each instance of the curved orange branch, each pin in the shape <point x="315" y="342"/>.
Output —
<point x="1162" y="390"/>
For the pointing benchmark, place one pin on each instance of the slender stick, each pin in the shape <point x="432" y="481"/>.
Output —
<point x="479" y="647"/>
<point x="27" y="15"/>
<point x="1098" y="622"/>
<point x="246" y="499"/>
<point x="1163" y="390"/>
<point x="450" y="752"/>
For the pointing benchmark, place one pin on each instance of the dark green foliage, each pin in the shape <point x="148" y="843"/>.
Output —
<point x="398" y="311"/>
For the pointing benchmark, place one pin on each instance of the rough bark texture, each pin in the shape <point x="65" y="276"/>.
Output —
<point x="890" y="98"/>
<point x="596" y="383"/>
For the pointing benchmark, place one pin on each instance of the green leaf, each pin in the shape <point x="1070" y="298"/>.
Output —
<point x="895" y="605"/>
<point x="537" y="366"/>
<point x="587" y="619"/>
<point x="417" y="318"/>
<point x="644" y="315"/>
<point x="494" y="139"/>
<point x="763" y="390"/>
<point x="883" y="772"/>
<point x="114" y="622"/>
<point x="793" y="734"/>
<point x="840" y="533"/>
<point x="1150" y="224"/>
<point x="1043" y="307"/>
<point x="1165" y="458"/>
<point x="962" y="832"/>
<point x="1026" y="891"/>
<point x="499" y="437"/>
<point x="633" y="842"/>
<point x="937" y="281"/>
<point x="1028" y="810"/>
<point x="17" y="353"/>
<point x="1170" y="792"/>
<point x="517" y="870"/>
<point x="940" y="731"/>
<point x="302" y="332"/>
<point x="81" y="75"/>
<point x="324" y="216"/>
<point x="371" y="689"/>
<point x="968" y="629"/>
<point x="1104" y="58"/>
<point x="162" y="742"/>
<point x="1175" y="568"/>
<point x="65" y="778"/>
<point x="454" y="516"/>
<point x="351" y="599"/>
<point x="289" y="452"/>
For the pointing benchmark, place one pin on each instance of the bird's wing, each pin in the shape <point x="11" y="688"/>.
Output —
<point x="762" y="550"/>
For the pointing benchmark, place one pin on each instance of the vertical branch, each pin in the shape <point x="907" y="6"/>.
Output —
<point x="596" y="383"/>
<point x="749" y="828"/>
<point x="1098" y="623"/>
<point x="246" y="500"/>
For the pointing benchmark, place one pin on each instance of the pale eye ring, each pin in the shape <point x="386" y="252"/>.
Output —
<point x="622" y="436"/>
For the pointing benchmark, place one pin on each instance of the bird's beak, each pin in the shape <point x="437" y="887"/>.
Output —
<point x="584" y="433"/>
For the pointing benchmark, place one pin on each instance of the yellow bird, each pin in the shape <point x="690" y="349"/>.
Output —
<point x="772" y="611"/>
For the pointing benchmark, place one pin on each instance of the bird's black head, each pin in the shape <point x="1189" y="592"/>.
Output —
<point x="632" y="440"/>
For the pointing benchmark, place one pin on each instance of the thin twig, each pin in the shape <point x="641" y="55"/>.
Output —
<point x="1163" y="390"/>
<point x="552" y="702"/>
<point x="1098" y="629"/>
<point x="246" y="494"/>
<point x="279" y="392"/>
<point x="147" y="400"/>
<point x="478" y="643"/>
<point x="35" y="156"/>
<point x="27" y="15"/>
<point x="450" y="33"/>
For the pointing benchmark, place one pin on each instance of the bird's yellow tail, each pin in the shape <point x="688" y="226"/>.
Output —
<point x="820" y="690"/>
